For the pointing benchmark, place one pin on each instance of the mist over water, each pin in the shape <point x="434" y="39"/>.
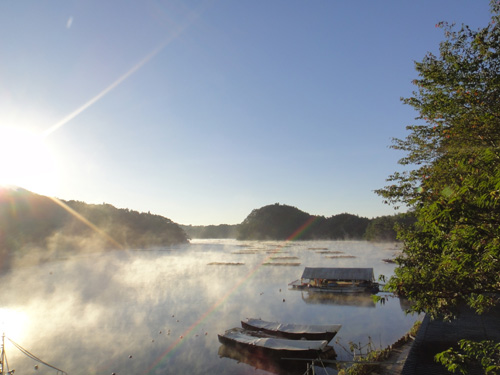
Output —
<point x="125" y="312"/>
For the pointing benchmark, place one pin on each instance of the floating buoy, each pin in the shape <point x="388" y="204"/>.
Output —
<point x="283" y="300"/>
<point x="130" y="356"/>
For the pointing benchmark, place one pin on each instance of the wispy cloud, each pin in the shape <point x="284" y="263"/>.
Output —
<point x="69" y="22"/>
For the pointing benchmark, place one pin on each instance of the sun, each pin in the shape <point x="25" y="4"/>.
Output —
<point x="13" y="323"/>
<point x="26" y="161"/>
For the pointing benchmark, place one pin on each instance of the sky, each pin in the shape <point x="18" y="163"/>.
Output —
<point x="201" y="111"/>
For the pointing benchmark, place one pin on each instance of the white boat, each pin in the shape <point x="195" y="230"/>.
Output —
<point x="293" y="331"/>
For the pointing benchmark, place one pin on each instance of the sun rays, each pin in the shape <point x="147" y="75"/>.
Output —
<point x="26" y="160"/>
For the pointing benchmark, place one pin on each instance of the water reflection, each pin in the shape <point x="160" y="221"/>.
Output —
<point x="341" y="299"/>
<point x="263" y="362"/>
<point x="159" y="312"/>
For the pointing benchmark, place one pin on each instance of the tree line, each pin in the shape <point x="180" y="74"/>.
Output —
<point x="29" y="222"/>
<point x="282" y="222"/>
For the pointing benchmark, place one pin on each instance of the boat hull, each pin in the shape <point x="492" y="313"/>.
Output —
<point x="322" y="332"/>
<point x="276" y="352"/>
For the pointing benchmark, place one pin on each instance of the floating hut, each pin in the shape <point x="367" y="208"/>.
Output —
<point x="337" y="280"/>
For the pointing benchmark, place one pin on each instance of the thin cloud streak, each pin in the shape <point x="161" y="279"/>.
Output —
<point x="193" y="16"/>
<point x="96" y="98"/>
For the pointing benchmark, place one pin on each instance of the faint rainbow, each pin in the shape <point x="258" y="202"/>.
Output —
<point x="188" y="332"/>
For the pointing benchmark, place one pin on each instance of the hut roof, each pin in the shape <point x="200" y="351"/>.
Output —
<point x="338" y="273"/>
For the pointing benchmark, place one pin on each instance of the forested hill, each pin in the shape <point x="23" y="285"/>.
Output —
<point x="281" y="222"/>
<point x="29" y="220"/>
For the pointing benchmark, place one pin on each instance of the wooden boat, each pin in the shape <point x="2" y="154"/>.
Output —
<point x="337" y="280"/>
<point x="263" y="344"/>
<point x="293" y="331"/>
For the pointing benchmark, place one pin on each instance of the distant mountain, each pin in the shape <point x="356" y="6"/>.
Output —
<point x="211" y="231"/>
<point x="273" y="222"/>
<point x="30" y="221"/>
<point x="280" y="222"/>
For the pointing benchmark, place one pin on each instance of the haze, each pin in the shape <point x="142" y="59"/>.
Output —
<point x="159" y="311"/>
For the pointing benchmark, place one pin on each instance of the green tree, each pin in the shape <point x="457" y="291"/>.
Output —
<point x="384" y="228"/>
<point x="451" y="176"/>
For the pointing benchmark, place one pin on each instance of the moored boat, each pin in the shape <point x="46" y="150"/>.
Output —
<point x="264" y="344"/>
<point x="337" y="280"/>
<point x="293" y="331"/>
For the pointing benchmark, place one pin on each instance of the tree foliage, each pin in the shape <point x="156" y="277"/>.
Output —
<point x="451" y="176"/>
<point x="384" y="228"/>
<point x="487" y="353"/>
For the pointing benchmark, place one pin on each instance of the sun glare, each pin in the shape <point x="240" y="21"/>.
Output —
<point x="26" y="161"/>
<point x="13" y="323"/>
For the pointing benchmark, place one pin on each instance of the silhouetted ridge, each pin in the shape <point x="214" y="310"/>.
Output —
<point x="281" y="222"/>
<point x="32" y="221"/>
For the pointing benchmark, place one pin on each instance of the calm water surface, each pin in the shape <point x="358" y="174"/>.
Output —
<point x="159" y="312"/>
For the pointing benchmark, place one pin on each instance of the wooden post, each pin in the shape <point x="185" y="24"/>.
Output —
<point x="2" y="359"/>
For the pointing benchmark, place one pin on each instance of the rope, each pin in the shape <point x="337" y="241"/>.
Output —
<point x="310" y="370"/>
<point x="35" y="358"/>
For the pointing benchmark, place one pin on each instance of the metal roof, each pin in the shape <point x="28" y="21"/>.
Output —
<point x="338" y="273"/>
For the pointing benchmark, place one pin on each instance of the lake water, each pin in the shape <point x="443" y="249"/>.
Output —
<point x="159" y="312"/>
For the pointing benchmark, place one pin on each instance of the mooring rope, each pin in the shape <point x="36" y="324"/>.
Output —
<point x="35" y="358"/>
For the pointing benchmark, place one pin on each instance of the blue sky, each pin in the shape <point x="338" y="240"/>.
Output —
<point x="201" y="111"/>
